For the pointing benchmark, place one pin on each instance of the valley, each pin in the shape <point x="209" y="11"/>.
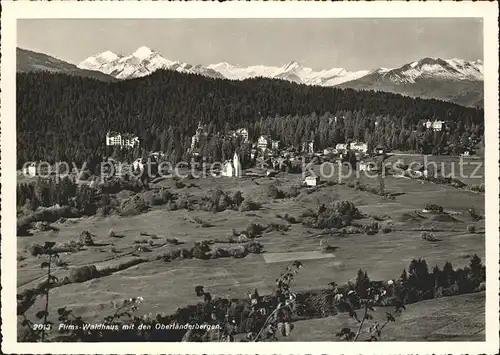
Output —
<point x="166" y="286"/>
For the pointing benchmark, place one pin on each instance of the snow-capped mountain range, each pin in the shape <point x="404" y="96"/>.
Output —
<point x="144" y="61"/>
<point x="454" y="80"/>
<point x="450" y="69"/>
<point x="292" y="71"/>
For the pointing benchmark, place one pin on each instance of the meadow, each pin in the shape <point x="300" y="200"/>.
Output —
<point x="166" y="286"/>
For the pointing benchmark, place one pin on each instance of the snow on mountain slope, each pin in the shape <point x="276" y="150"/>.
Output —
<point x="145" y="61"/>
<point x="292" y="71"/>
<point x="438" y="69"/>
<point x="336" y="76"/>
<point x="142" y="62"/>
<point x="240" y="73"/>
<point x="455" y="80"/>
<point x="97" y="61"/>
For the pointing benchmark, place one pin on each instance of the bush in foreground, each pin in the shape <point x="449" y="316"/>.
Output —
<point x="264" y="318"/>
<point x="434" y="208"/>
<point x="428" y="236"/>
<point x="36" y="249"/>
<point x="336" y="215"/>
<point x="386" y="229"/>
<point x="249" y="205"/>
<point x="274" y="193"/>
<point x="83" y="273"/>
<point x="86" y="238"/>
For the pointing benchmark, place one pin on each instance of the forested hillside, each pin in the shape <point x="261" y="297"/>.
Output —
<point x="62" y="117"/>
<point x="29" y="61"/>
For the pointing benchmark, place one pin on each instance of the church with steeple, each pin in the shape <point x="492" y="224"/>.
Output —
<point x="232" y="168"/>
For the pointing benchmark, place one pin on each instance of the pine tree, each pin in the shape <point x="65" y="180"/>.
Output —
<point x="476" y="267"/>
<point x="362" y="283"/>
<point x="404" y="276"/>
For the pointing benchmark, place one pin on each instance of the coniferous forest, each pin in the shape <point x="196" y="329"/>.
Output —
<point x="65" y="118"/>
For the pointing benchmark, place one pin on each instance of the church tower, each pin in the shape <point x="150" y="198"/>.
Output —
<point x="237" y="166"/>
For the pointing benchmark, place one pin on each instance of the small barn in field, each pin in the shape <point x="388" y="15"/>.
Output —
<point x="311" y="181"/>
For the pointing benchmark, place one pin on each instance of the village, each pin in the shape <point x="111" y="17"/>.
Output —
<point x="266" y="156"/>
<point x="270" y="156"/>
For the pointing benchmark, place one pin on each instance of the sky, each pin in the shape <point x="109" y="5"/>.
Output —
<point x="352" y="44"/>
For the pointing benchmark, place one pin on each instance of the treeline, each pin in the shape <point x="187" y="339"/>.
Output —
<point x="389" y="131"/>
<point x="61" y="117"/>
<point x="419" y="283"/>
<point x="47" y="192"/>
<point x="325" y="131"/>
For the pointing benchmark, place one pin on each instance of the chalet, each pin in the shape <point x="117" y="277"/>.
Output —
<point x="151" y="163"/>
<point x="367" y="166"/>
<point x="242" y="132"/>
<point x="138" y="164"/>
<point x="308" y="147"/>
<point x="341" y="147"/>
<point x="328" y="151"/>
<point x="194" y="141"/>
<point x="311" y="181"/>
<point x="435" y="126"/>
<point x="227" y="169"/>
<point x="121" y="139"/>
<point x="263" y="142"/>
<point x="359" y="147"/>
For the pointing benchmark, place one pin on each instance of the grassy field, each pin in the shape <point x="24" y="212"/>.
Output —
<point x="456" y="318"/>
<point x="470" y="172"/>
<point x="167" y="286"/>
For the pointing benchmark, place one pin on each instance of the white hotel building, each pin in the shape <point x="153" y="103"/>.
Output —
<point x="121" y="139"/>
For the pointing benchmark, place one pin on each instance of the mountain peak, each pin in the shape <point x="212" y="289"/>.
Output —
<point x="143" y="52"/>
<point x="221" y="66"/>
<point x="291" y="65"/>
<point x="108" y="55"/>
